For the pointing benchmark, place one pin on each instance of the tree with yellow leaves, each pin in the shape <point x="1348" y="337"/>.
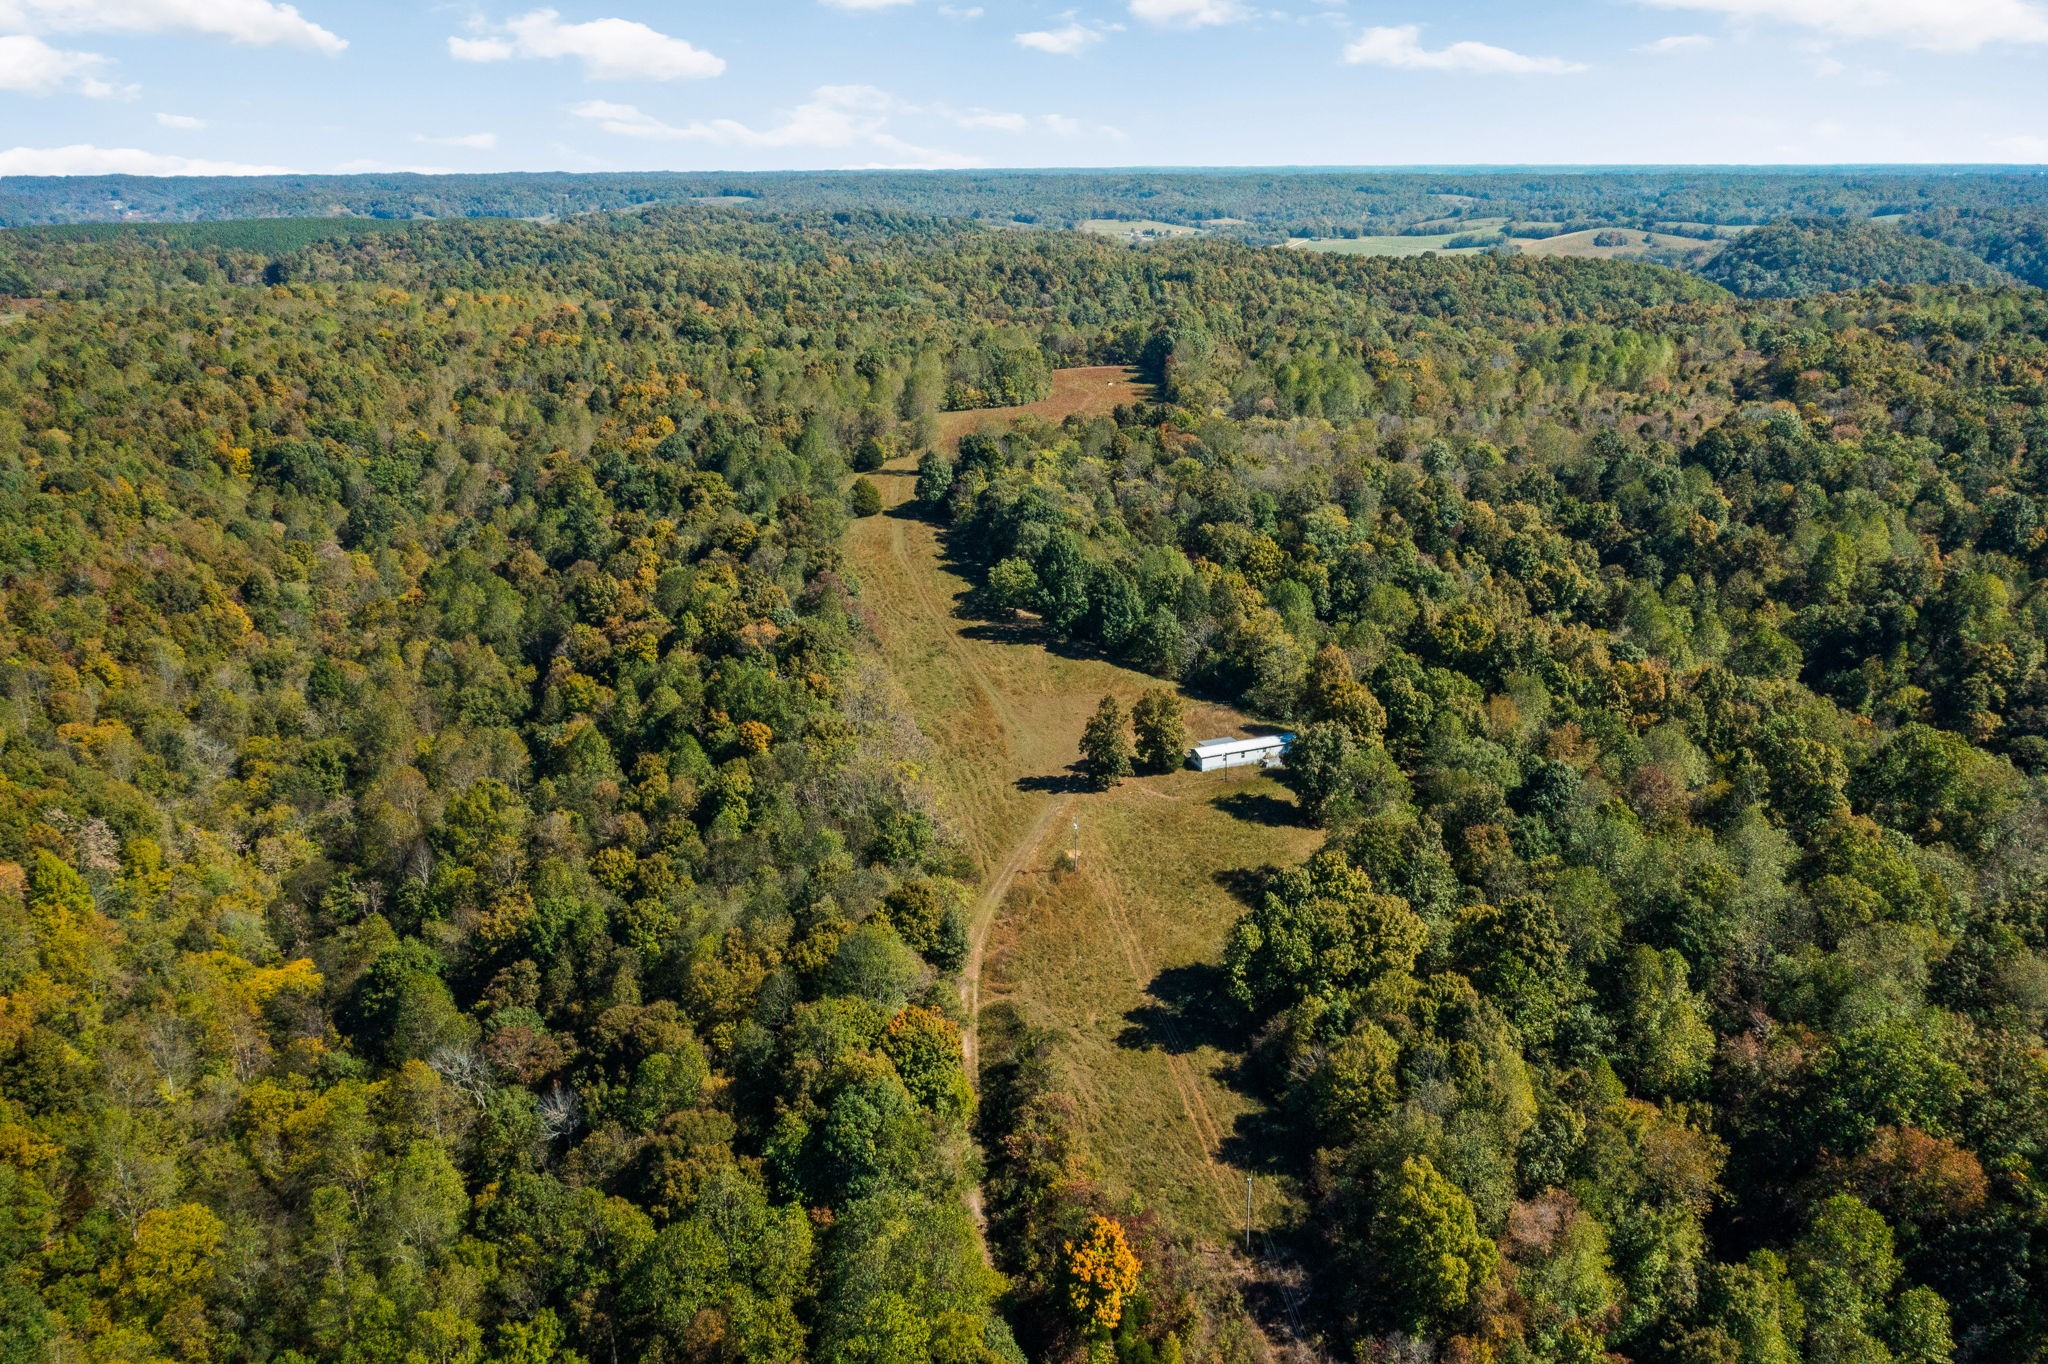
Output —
<point x="162" y="1280"/>
<point x="1101" y="1271"/>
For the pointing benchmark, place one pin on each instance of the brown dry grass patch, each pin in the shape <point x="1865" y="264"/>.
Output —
<point x="1091" y="391"/>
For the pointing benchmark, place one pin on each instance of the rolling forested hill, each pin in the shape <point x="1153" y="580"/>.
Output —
<point x="1821" y="256"/>
<point x="1255" y="202"/>
<point x="1973" y="217"/>
<point x="468" y="891"/>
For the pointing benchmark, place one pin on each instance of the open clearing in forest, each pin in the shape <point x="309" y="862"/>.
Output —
<point x="1400" y="245"/>
<point x="1381" y="246"/>
<point x="1581" y="245"/>
<point x="1574" y="245"/>
<point x="1091" y="391"/>
<point x="1136" y="229"/>
<point x="1117" y="956"/>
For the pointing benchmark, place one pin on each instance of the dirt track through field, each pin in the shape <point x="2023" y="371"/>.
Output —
<point x="985" y="911"/>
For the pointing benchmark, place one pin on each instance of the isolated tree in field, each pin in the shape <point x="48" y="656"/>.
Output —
<point x="1162" y="730"/>
<point x="1106" y="745"/>
<point x="864" y="498"/>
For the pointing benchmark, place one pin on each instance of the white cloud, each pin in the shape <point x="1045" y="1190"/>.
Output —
<point x="1070" y="41"/>
<point x="836" y="117"/>
<point x="2024" y="148"/>
<point x="84" y="159"/>
<point x="989" y="118"/>
<point x="1189" y="13"/>
<point x="371" y="166"/>
<point x="1063" y="125"/>
<point x="1402" y="47"/>
<point x="959" y="12"/>
<point x="30" y="66"/>
<point x="1677" y="42"/>
<point x="610" y="49"/>
<point x="182" y="121"/>
<point x="474" y="142"/>
<point x="482" y="49"/>
<point x="1938" y="25"/>
<point x="1001" y="121"/>
<point x="260" y="23"/>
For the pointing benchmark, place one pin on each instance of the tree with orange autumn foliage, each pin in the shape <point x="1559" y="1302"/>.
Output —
<point x="1101" y="1272"/>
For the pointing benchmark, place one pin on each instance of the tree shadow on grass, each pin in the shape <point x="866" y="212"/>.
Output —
<point x="1186" y="1008"/>
<point x="1247" y="885"/>
<point x="1263" y="1139"/>
<point x="913" y="510"/>
<point x="1028" y="630"/>
<point x="1073" y="781"/>
<point x="1019" y="631"/>
<point x="1260" y="807"/>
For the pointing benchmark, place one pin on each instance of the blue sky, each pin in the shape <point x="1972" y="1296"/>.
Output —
<point x="209" y="86"/>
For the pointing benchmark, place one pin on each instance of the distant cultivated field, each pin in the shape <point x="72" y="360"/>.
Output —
<point x="1722" y="229"/>
<point x="1581" y="246"/>
<point x="1402" y="245"/>
<point x="1576" y="245"/>
<point x="1385" y="246"/>
<point x="1091" y="391"/>
<point x="1137" y="230"/>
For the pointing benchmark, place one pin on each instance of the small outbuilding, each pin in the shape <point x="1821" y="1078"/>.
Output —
<point x="1267" y="750"/>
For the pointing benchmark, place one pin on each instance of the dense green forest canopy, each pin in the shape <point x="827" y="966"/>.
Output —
<point x="468" y="892"/>
<point x="1825" y="256"/>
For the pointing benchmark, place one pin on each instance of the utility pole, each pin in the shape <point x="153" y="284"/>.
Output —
<point x="1247" y="1214"/>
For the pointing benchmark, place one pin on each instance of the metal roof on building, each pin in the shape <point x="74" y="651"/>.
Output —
<point x="1222" y="748"/>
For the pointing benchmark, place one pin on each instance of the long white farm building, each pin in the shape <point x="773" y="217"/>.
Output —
<point x="1266" y="750"/>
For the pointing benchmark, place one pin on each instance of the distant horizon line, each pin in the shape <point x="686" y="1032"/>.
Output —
<point x="1417" y="168"/>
